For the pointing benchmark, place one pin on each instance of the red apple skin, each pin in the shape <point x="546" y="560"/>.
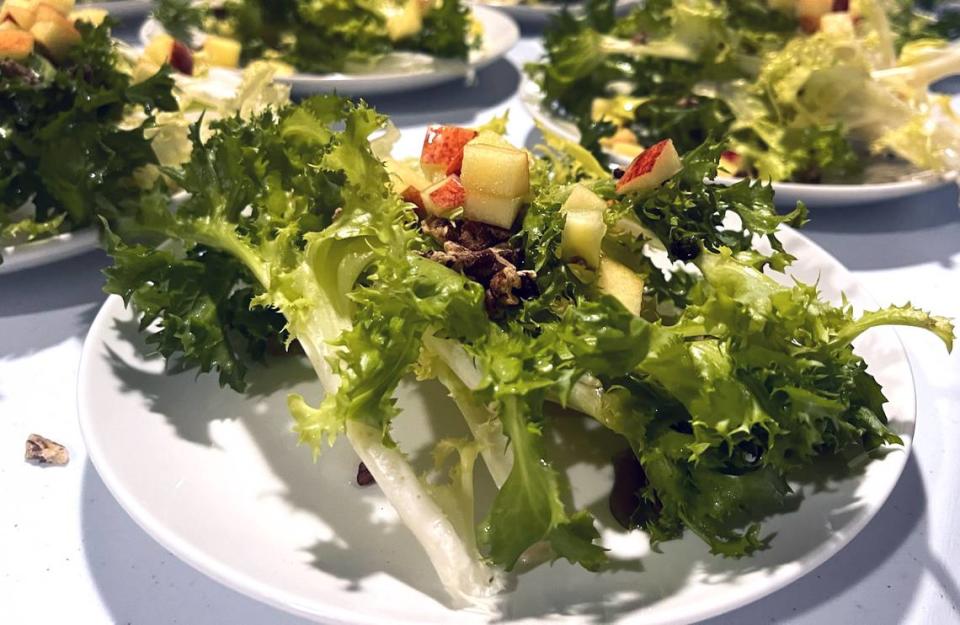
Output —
<point x="442" y="153"/>
<point x="841" y="5"/>
<point x="181" y="58"/>
<point x="412" y="195"/>
<point x="640" y="174"/>
<point x="441" y="198"/>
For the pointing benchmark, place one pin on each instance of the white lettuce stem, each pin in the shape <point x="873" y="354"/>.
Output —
<point x="484" y="426"/>
<point x="463" y="573"/>
<point x="466" y="577"/>
<point x="920" y="75"/>
<point x="586" y="395"/>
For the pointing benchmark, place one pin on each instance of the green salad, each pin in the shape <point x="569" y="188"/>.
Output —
<point x="86" y="125"/>
<point x="65" y="154"/>
<point x="804" y="90"/>
<point x="324" y="36"/>
<point x="520" y="281"/>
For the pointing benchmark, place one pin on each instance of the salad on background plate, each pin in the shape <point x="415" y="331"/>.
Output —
<point x="651" y="305"/>
<point x="87" y="124"/>
<point x="354" y="48"/>
<point x="805" y="92"/>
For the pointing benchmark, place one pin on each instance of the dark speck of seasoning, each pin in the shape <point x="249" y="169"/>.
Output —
<point x="363" y="476"/>
<point x="618" y="173"/>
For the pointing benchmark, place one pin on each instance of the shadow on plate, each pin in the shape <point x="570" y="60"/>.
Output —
<point x="900" y="527"/>
<point x="452" y="102"/>
<point x="138" y="581"/>
<point x="362" y="517"/>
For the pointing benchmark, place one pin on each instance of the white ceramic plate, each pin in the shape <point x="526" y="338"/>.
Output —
<point x="500" y="33"/>
<point x="52" y="249"/>
<point x="787" y="193"/>
<point x="539" y="14"/>
<point x="120" y="8"/>
<point x="217" y="479"/>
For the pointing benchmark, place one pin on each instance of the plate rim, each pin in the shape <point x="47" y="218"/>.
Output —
<point x="280" y="599"/>
<point x="40" y="252"/>
<point x="489" y="17"/>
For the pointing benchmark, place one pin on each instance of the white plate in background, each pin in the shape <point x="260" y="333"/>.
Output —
<point x="539" y="13"/>
<point x="500" y="34"/>
<point x="49" y="250"/>
<point x="120" y="8"/>
<point x="217" y="478"/>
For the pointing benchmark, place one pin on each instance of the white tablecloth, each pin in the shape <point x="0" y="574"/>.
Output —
<point x="69" y="554"/>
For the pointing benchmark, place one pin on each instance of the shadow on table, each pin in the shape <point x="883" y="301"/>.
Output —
<point x="923" y="228"/>
<point x="31" y="296"/>
<point x="451" y="102"/>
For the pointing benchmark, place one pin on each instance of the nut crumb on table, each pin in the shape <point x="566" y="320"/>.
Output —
<point x="42" y="450"/>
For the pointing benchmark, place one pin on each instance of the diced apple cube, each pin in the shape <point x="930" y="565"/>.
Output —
<point x="809" y="13"/>
<point x="413" y="196"/>
<point x="622" y="283"/>
<point x="159" y="48"/>
<point x="491" y="209"/>
<point x="92" y="16"/>
<point x="582" y="237"/>
<point x="22" y="12"/>
<point x="495" y="171"/>
<point x="406" y="22"/>
<point x="144" y="69"/>
<point x="15" y="44"/>
<point x="56" y="37"/>
<point x="181" y="58"/>
<point x="46" y="13"/>
<point x="63" y="7"/>
<point x="651" y="168"/>
<point x="731" y="163"/>
<point x="583" y="199"/>
<point x="442" y="153"/>
<point x="838" y="25"/>
<point x="222" y="51"/>
<point x="489" y="137"/>
<point x="403" y="176"/>
<point x="444" y="197"/>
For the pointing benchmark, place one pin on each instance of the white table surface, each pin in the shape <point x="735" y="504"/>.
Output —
<point x="69" y="554"/>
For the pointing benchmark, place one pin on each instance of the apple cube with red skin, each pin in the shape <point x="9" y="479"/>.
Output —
<point x="651" y="168"/>
<point x="731" y="163"/>
<point x="181" y="58"/>
<point x="412" y="195"/>
<point x="442" y="153"/>
<point x="809" y="13"/>
<point x="15" y="44"/>
<point x="444" y="197"/>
